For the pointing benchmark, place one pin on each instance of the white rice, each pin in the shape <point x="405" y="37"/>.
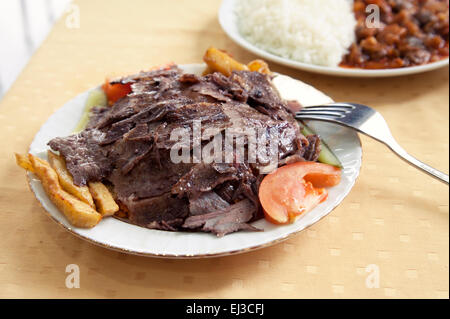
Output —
<point x="310" y="31"/>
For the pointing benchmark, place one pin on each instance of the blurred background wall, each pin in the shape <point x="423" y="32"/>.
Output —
<point x="24" y="24"/>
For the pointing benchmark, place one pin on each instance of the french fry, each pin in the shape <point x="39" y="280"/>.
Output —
<point x="259" y="66"/>
<point x="104" y="201"/>
<point x="219" y="61"/>
<point x="66" y="180"/>
<point x="24" y="162"/>
<point x="77" y="212"/>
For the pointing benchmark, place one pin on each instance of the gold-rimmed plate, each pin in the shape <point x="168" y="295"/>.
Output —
<point x="114" y="234"/>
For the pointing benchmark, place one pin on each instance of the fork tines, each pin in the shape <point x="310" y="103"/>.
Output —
<point x="335" y="111"/>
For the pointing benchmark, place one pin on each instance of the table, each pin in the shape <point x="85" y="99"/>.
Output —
<point x="394" y="223"/>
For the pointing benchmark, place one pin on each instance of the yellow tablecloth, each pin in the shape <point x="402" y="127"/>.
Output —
<point x="396" y="217"/>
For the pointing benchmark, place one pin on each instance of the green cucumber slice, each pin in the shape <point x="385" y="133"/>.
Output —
<point x="96" y="98"/>
<point x="326" y="155"/>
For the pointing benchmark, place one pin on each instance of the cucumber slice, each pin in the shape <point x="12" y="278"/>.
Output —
<point x="96" y="98"/>
<point x="326" y="155"/>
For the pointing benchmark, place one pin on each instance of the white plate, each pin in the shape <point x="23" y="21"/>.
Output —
<point x="228" y="21"/>
<point x="118" y="235"/>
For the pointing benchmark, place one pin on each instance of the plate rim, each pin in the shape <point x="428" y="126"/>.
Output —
<point x="272" y="242"/>
<point x="227" y="5"/>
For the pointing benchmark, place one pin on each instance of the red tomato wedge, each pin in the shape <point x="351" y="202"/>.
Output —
<point x="295" y="189"/>
<point x="114" y="92"/>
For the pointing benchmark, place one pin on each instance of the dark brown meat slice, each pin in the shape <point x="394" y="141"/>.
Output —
<point x="312" y="151"/>
<point x="246" y="179"/>
<point x="261" y="94"/>
<point x="147" y="178"/>
<point x="151" y="113"/>
<point x="162" y="212"/>
<point x="135" y="107"/>
<point x="116" y="131"/>
<point x="211" y="117"/>
<point x="248" y="123"/>
<point x="243" y="116"/>
<point x="156" y="111"/>
<point x="222" y="88"/>
<point x="207" y="202"/>
<point x="205" y="177"/>
<point x="225" y="221"/>
<point x="148" y="88"/>
<point x="175" y="112"/>
<point x="96" y="115"/>
<point x="172" y="85"/>
<point x="122" y="109"/>
<point x="253" y="88"/>
<point x="156" y="89"/>
<point x="245" y="190"/>
<point x="139" y="133"/>
<point x="289" y="137"/>
<point x="204" y="112"/>
<point x="86" y="160"/>
<point x="227" y="190"/>
<point x="202" y="178"/>
<point x="168" y="72"/>
<point x="211" y="90"/>
<point x="141" y="150"/>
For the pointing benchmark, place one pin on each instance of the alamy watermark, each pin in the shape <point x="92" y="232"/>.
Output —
<point x="373" y="278"/>
<point x="373" y="16"/>
<point x="235" y="145"/>
<point x="72" y="20"/>
<point x="73" y="277"/>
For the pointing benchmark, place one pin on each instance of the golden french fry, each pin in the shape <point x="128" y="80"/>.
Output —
<point x="259" y="66"/>
<point x="77" y="212"/>
<point x="23" y="161"/>
<point x="104" y="201"/>
<point x="66" y="180"/>
<point x="219" y="61"/>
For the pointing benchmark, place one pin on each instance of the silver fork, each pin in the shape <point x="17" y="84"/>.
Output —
<point x="367" y="121"/>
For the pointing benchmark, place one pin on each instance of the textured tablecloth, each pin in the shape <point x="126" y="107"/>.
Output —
<point x="394" y="223"/>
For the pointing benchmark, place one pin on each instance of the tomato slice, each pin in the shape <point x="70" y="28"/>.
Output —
<point x="116" y="91"/>
<point x="295" y="189"/>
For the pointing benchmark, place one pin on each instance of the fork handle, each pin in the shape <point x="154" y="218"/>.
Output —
<point x="397" y="149"/>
